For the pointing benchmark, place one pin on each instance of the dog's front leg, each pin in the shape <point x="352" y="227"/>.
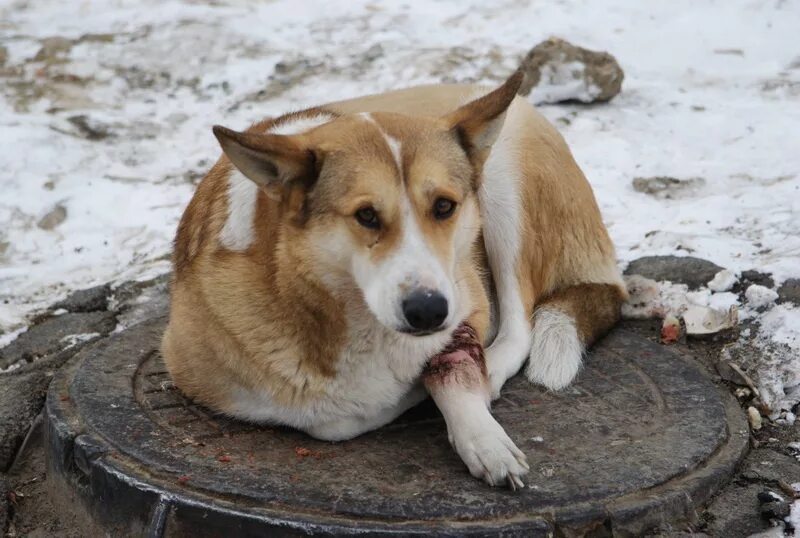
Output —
<point x="457" y="380"/>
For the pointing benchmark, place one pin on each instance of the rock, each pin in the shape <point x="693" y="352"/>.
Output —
<point x="668" y="188"/>
<point x="53" y="48"/>
<point x="759" y="296"/>
<point x="87" y="300"/>
<point x="789" y="292"/>
<point x="3" y="55"/>
<point x="556" y="71"/>
<point x="722" y="281"/>
<point x="21" y="400"/>
<point x="755" y="277"/>
<point x="89" y="128"/>
<point x="754" y="417"/>
<point x="135" y="302"/>
<point x="694" y="272"/>
<point x="53" y="335"/>
<point x="734" y="512"/>
<point x="771" y="466"/>
<point x="53" y="218"/>
<point x="775" y="510"/>
<point x="4" y="503"/>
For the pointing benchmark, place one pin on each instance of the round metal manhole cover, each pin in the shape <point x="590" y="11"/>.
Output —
<point x="640" y="440"/>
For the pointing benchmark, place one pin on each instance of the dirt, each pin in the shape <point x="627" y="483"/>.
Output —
<point x="32" y="509"/>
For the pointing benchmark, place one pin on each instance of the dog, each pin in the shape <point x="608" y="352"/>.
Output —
<point x="339" y="264"/>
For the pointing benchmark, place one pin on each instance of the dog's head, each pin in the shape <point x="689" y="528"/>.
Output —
<point x="382" y="203"/>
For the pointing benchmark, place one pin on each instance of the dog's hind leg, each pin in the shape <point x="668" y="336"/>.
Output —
<point x="456" y="380"/>
<point x="564" y="325"/>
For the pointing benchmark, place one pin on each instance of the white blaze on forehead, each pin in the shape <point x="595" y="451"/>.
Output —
<point x="238" y="231"/>
<point x="394" y="144"/>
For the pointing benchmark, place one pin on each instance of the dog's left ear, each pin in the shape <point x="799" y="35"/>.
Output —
<point x="478" y="123"/>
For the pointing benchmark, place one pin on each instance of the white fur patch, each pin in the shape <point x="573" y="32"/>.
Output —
<point x="238" y="233"/>
<point x="395" y="148"/>
<point x="294" y="126"/>
<point x="392" y="142"/>
<point x="556" y="349"/>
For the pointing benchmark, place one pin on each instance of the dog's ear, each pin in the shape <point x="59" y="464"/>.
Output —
<point x="271" y="161"/>
<point x="477" y="124"/>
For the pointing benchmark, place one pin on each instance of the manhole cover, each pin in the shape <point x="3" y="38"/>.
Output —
<point x="640" y="440"/>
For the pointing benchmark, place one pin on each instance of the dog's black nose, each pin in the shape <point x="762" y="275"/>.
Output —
<point x="425" y="310"/>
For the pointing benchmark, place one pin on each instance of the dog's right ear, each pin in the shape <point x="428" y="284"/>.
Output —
<point x="272" y="161"/>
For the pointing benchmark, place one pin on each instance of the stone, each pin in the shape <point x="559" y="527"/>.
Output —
<point x="557" y="71"/>
<point x="775" y="510"/>
<point x="53" y="218"/>
<point x="754" y="277"/>
<point x="53" y="335"/>
<point x="21" y="400"/>
<point x="86" y="300"/>
<point x="770" y="466"/>
<point x="735" y="512"/>
<point x="789" y="292"/>
<point x="4" y="504"/>
<point x="694" y="272"/>
<point x="668" y="188"/>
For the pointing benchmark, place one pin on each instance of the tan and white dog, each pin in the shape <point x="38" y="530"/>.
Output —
<point x="338" y="264"/>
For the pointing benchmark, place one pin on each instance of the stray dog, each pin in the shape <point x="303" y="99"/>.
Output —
<point x="339" y="264"/>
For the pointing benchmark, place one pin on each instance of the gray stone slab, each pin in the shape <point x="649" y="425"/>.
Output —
<point x="87" y="300"/>
<point x="640" y="441"/>
<point x="52" y="336"/>
<point x="694" y="272"/>
<point x="789" y="292"/>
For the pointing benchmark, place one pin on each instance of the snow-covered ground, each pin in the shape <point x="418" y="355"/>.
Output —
<point x="104" y="134"/>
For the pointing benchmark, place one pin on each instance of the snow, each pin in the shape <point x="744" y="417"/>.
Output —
<point x="710" y="92"/>
<point x="723" y="281"/>
<point x="759" y="296"/>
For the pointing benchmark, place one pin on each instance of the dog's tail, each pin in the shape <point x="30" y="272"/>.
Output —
<point x="565" y="324"/>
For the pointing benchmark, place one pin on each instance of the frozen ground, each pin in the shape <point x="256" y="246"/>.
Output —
<point x="105" y="131"/>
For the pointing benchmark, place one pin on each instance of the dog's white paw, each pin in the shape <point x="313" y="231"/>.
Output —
<point x="556" y="350"/>
<point x="490" y="454"/>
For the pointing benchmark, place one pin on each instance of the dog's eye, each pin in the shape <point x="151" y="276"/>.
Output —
<point x="443" y="208"/>
<point x="368" y="218"/>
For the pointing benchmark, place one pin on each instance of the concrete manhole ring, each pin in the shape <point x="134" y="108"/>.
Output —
<point x="640" y="440"/>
